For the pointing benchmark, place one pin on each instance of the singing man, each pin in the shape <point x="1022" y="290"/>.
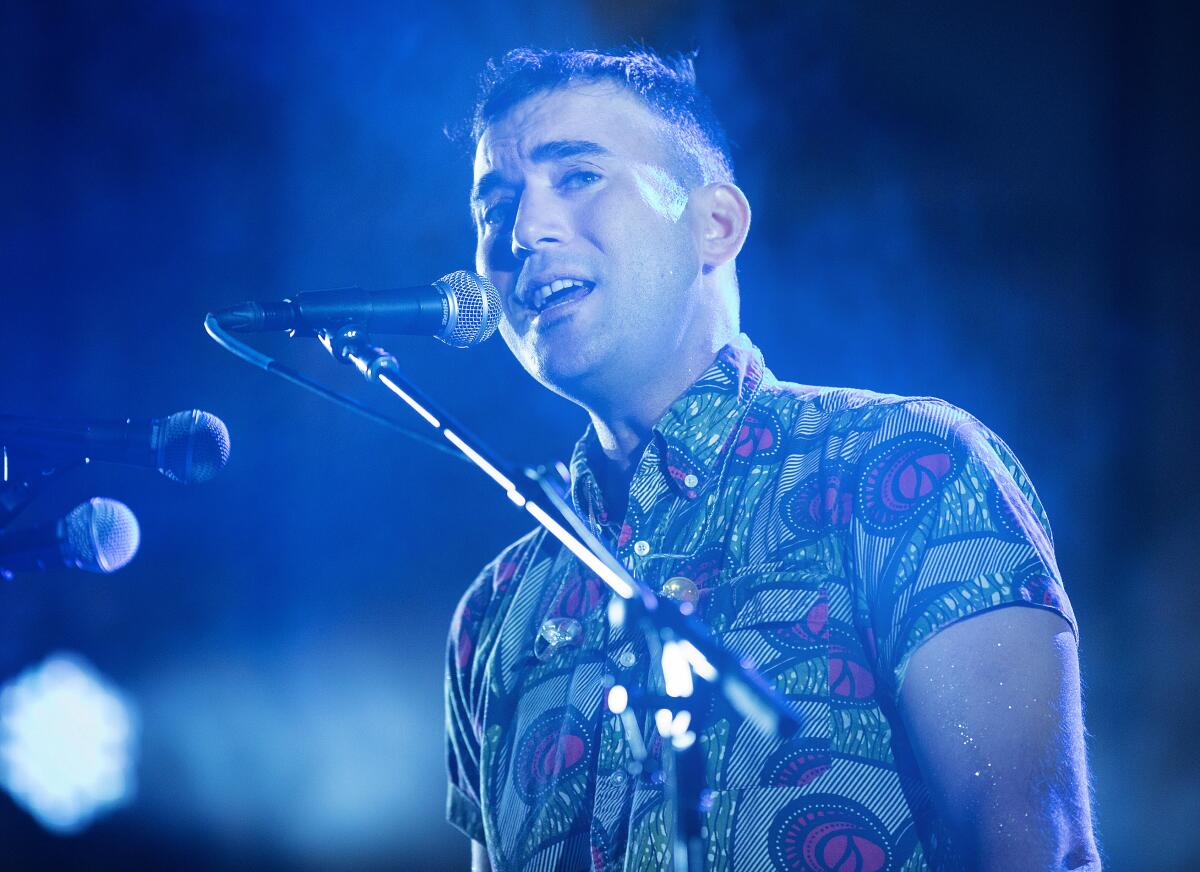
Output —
<point x="882" y="561"/>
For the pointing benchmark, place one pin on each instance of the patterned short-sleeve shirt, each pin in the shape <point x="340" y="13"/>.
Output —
<point x="827" y="533"/>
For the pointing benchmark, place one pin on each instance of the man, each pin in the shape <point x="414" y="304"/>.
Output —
<point x="860" y="549"/>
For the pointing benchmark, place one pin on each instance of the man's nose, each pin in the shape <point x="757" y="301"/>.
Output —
<point x="540" y="221"/>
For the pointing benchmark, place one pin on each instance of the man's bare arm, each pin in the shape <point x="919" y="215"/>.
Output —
<point x="992" y="706"/>
<point x="479" y="858"/>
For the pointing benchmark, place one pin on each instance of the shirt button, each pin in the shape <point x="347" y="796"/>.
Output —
<point x="627" y="659"/>
<point x="690" y="480"/>
<point x="641" y="547"/>
<point x="619" y="777"/>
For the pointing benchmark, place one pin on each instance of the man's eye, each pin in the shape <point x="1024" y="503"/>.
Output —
<point x="579" y="179"/>
<point x="497" y="214"/>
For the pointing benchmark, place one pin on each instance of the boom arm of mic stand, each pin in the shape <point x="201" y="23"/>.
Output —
<point x="256" y="358"/>
<point x="745" y="690"/>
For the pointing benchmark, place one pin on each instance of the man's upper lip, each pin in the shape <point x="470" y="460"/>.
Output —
<point x="526" y="288"/>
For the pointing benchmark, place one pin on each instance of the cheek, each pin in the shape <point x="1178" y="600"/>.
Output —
<point x="480" y="260"/>
<point x="653" y="250"/>
<point x="633" y="220"/>
<point x="509" y="337"/>
<point x="495" y="261"/>
<point x="493" y="246"/>
<point x="661" y="193"/>
<point x="487" y="253"/>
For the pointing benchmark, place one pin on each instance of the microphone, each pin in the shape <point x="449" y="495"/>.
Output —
<point x="461" y="309"/>
<point x="100" y="535"/>
<point x="187" y="447"/>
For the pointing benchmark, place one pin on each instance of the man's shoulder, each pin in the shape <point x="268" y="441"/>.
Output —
<point x="811" y="409"/>
<point x="498" y="573"/>
<point x="487" y="599"/>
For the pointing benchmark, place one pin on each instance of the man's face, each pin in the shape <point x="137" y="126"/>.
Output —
<point x="585" y="231"/>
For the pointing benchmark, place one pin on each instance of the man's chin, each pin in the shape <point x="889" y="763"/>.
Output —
<point x="562" y="376"/>
<point x="569" y="359"/>
<point x="573" y="372"/>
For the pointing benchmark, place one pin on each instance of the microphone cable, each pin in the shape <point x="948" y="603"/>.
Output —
<point x="262" y="361"/>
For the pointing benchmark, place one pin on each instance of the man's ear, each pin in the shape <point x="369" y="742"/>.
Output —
<point x="722" y="222"/>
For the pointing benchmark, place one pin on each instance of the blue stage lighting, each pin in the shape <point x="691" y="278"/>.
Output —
<point x="67" y="743"/>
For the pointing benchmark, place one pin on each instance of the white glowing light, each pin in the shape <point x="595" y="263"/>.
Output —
<point x="67" y="744"/>
<point x="618" y="699"/>
<point x="680" y="724"/>
<point x="412" y="403"/>
<point x="594" y="563"/>
<point x="616" y="612"/>
<point x="683" y="741"/>
<point x="699" y="662"/>
<point x="672" y="725"/>
<point x="663" y="720"/>
<point x="677" y="672"/>
<point x="496" y="475"/>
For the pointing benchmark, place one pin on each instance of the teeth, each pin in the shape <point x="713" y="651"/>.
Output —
<point x="538" y="298"/>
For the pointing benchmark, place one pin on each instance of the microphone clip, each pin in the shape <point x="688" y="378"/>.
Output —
<point x="352" y="345"/>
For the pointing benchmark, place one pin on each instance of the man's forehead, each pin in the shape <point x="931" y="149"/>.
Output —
<point x="603" y="113"/>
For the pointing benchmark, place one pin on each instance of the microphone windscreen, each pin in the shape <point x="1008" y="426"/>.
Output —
<point x="100" y="535"/>
<point x="477" y="304"/>
<point x="193" y="446"/>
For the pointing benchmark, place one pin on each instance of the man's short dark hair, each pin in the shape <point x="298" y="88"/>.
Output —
<point x="667" y="86"/>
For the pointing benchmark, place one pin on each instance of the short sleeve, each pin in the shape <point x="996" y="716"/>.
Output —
<point x="946" y="525"/>
<point x="464" y="701"/>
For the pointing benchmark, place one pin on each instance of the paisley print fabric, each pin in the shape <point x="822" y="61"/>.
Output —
<point x="829" y="533"/>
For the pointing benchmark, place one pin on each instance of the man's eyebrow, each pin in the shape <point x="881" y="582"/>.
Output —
<point x="562" y="149"/>
<point x="556" y="149"/>
<point x="487" y="183"/>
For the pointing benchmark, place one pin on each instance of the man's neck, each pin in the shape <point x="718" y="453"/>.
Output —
<point x="624" y="430"/>
<point x="623" y="427"/>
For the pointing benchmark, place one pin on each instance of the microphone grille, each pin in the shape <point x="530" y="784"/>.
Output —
<point x="474" y="306"/>
<point x="101" y="535"/>
<point x="193" y="446"/>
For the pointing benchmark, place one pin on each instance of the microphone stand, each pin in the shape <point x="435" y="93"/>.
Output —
<point x="688" y="650"/>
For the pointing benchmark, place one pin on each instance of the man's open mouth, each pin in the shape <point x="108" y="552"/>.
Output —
<point x="558" y="293"/>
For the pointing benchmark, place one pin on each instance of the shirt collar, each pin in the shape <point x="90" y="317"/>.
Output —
<point x="692" y="436"/>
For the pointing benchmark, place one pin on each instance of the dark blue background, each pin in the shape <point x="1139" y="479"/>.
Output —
<point x="991" y="205"/>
